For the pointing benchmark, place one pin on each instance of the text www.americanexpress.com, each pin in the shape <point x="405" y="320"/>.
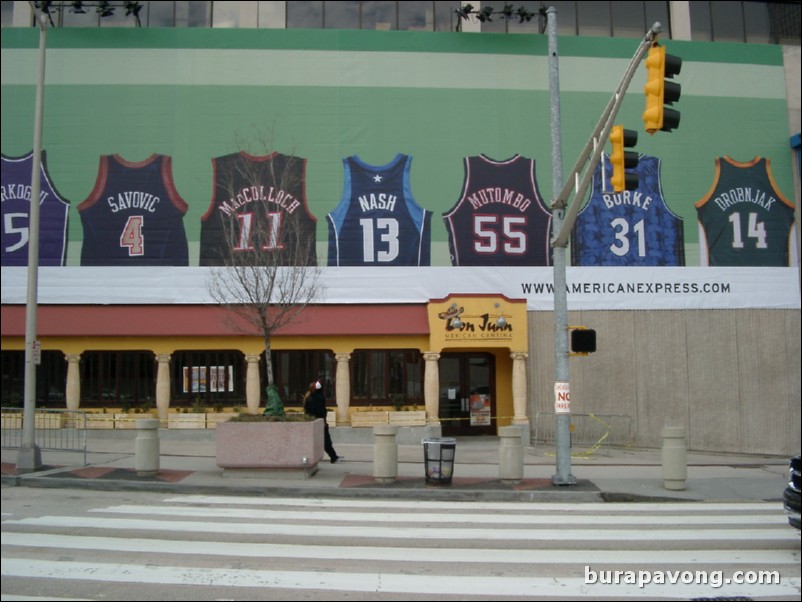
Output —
<point x="714" y="579"/>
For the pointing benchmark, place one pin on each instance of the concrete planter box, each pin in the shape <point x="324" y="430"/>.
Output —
<point x="260" y="448"/>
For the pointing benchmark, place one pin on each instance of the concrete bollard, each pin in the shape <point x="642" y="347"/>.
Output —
<point x="385" y="453"/>
<point x="510" y="454"/>
<point x="146" y="447"/>
<point x="675" y="458"/>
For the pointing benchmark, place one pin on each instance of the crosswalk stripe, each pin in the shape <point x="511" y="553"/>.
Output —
<point x="474" y="506"/>
<point x="449" y="517"/>
<point x="370" y="531"/>
<point x="432" y="585"/>
<point x="393" y="554"/>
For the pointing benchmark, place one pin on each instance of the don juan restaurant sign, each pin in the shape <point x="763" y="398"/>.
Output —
<point x="478" y="319"/>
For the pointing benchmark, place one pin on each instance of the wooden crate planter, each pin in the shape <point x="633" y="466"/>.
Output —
<point x="269" y="447"/>
<point x="12" y="420"/>
<point x="48" y="420"/>
<point x="369" y="418"/>
<point x="127" y="420"/>
<point x="99" y="420"/>
<point x="187" y="420"/>
<point x="411" y="418"/>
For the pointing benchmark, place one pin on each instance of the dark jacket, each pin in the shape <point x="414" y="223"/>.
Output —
<point x="315" y="404"/>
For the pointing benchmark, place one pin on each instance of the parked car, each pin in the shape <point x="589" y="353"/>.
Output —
<point x="791" y="502"/>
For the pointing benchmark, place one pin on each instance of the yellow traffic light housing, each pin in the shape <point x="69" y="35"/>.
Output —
<point x="621" y="159"/>
<point x="660" y="92"/>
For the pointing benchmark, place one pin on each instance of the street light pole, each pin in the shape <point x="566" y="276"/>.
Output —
<point x="29" y="457"/>
<point x="563" y="218"/>
<point x="563" y="475"/>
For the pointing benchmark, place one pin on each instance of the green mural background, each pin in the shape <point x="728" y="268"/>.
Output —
<point x="325" y="95"/>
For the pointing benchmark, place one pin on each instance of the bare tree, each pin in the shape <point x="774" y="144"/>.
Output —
<point x="261" y="241"/>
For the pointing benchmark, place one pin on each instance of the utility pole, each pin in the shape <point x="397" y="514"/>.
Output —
<point x="29" y="457"/>
<point x="563" y="218"/>
<point x="563" y="475"/>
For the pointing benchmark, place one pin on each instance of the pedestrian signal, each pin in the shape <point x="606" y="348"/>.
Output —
<point x="583" y="340"/>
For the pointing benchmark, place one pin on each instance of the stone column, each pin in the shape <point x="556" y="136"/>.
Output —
<point x="73" y="385"/>
<point x="519" y="387"/>
<point x="163" y="386"/>
<point x="343" y="389"/>
<point x="252" y="382"/>
<point x="431" y="386"/>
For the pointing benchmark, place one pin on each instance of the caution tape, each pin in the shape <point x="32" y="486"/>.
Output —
<point x="589" y="453"/>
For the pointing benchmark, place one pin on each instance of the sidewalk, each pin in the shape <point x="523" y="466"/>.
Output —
<point x="187" y="465"/>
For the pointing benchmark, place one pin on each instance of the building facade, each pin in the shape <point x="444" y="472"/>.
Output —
<point x="714" y="348"/>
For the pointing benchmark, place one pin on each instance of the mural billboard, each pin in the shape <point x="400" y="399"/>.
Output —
<point x="394" y="149"/>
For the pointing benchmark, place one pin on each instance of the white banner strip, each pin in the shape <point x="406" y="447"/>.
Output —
<point x="589" y="288"/>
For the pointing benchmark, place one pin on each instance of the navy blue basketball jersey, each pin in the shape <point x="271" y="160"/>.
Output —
<point x="15" y="179"/>
<point x="258" y="206"/>
<point x="378" y="222"/>
<point x="500" y="219"/>
<point x="744" y="219"/>
<point x="134" y="215"/>
<point x="633" y="227"/>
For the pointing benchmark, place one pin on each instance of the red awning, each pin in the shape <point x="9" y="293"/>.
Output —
<point x="211" y="320"/>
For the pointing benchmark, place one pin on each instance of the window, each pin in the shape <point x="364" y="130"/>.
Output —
<point x="125" y="378"/>
<point x="384" y="376"/>
<point x="755" y="22"/>
<point x="51" y="380"/>
<point x="294" y="370"/>
<point x="382" y="15"/>
<point x="211" y="378"/>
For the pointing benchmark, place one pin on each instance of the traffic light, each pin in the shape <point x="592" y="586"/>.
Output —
<point x="660" y="92"/>
<point x="583" y="340"/>
<point x="621" y="159"/>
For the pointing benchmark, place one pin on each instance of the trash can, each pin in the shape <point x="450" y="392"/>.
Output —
<point x="438" y="456"/>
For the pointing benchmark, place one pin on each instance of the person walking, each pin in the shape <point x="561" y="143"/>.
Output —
<point x="315" y="405"/>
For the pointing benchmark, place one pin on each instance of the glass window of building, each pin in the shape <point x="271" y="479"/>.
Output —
<point x="341" y="15"/>
<point x="294" y="370"/>
<point x="67" y="17"/>
<point x="594" y="19"/>
<point x="211" y="378"/>
<point x="629" y="19"/>
<point x="657" y="12"/>
<point x="272" y="14"/>
<point x="227" y="15"/>
<point x="6" y="13"/>
<point x="566" y="18"/>
<point x="124" y="378"/>
<point x="445" y="17"/>
<point x="785" y="21"/>
<point x="758" y="24"/>
<point x="380" y="15"/>
<point x="701" y="25"/>
<point x="51" y="380"/>
<point x="386" y="377"/>
<point x="728" y="21"/>
<point x="305" y="15"/>
<point x="193" y="14"/>
<point x="158" y="14"/>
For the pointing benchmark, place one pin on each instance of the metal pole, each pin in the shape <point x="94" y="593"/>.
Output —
<point x="563" y="475"/>
<point x="595" y="145"/>
<point x="29" y="457"/>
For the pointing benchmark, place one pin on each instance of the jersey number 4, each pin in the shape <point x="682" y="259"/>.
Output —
<point x="131" y="236"/>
